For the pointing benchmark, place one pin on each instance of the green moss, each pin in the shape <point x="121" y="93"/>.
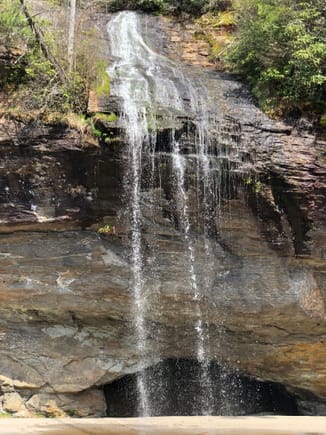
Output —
<point x="109" y="117"/>
<point x="226" y="18"/>
<point x="108" y="229"/>
<point x="323" y="120"/>
<point x="102" y="86"/>
<point x="248" y="181"/>
<point x="99" y="130"/>
<point x="215" y="29"/>
<point x="96" y="132"/>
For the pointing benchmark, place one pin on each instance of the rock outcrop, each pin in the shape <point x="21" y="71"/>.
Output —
<point x="66" y="296"/>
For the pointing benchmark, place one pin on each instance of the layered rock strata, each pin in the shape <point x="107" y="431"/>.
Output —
<point x="66" y="311"/>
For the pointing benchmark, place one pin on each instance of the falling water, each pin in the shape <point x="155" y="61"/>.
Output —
<point x="133" y="89"/>
<point x="148" y="83"/>
<point x="205" y="381"/>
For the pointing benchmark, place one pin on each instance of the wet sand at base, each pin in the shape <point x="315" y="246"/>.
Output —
<point x="263" y="425"/>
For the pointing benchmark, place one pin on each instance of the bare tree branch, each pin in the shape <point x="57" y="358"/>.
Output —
<point x="71" y="34"/>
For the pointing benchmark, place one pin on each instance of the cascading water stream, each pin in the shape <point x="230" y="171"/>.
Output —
<point x="133" y="90"/>
<point x="148" y="83"/>
<point x="205" y="380"/>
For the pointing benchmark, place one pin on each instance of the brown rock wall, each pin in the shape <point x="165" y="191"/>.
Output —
<point x="66" y="303"/>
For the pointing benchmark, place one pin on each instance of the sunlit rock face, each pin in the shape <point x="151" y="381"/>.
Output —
<point x="66" y="325"/>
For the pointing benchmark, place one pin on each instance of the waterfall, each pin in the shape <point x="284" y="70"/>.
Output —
<point x="205" y="381"/>
<point x="133" y="88"/>
<point x="149" y="84"/>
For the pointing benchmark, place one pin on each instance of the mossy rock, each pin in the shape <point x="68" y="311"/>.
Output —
<point x="322" y="121"/>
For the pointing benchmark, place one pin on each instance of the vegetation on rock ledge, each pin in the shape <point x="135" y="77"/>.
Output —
<point x="280" y="49"/>
<point x="30" y="77"/>
<point x="195" y="7"/>
<point x="277" y="46"/>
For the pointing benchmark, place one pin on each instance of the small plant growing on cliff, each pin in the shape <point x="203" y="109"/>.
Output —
<point x="96" y="125"/>
<point x="107" y="229"/>
<point x="109" y="117"/>
<point x="323" y="120"/>
<point x="102" y="82"/>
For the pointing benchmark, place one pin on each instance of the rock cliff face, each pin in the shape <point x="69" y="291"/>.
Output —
<point x="66" y="314"/>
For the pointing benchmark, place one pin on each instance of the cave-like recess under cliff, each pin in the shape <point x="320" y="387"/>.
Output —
<point x="211" y="257"/>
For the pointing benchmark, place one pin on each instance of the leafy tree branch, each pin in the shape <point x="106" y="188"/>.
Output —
<point x="41" y="43"/>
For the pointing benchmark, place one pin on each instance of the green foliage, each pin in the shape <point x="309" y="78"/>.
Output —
<point x="225" y="18"/>
<point x="13" y="25"/>
<point x="102" y="80"/>
<point x="215" y="29"/>
<point x="106" y="229"/>
<point x="323" y="120"/>
<point x="195" y="7"/>
<point x="110" y="117"/>
<point x="28" y="72"/>
<point x="217" y="5"/>
<point x="30" y="77"/>
<point x="280" y="49"/>
<point x="74" y="95"/>
<point x="145" y="5"/>
<point x="90" y="71"/>
<point x="37" y="66"/>
<point x="98" y="128"/>
<point x="16" y="39"/>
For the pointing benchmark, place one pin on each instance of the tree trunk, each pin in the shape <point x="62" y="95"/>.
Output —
<point x="40" y="41"/>
<point x="71" y="35"/>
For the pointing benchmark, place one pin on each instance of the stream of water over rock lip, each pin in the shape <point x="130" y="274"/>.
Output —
<point x="151" y="87"/>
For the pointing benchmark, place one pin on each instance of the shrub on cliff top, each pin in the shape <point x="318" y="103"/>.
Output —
<point x="194" y="7"/>
<point x="280" y="50"/>
<point x="29" y="77"/>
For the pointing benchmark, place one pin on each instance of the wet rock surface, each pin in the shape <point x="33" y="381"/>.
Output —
<point x="66" y="310"/>
<point x="66" y="295"/>
<point x="175" y="389"/>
